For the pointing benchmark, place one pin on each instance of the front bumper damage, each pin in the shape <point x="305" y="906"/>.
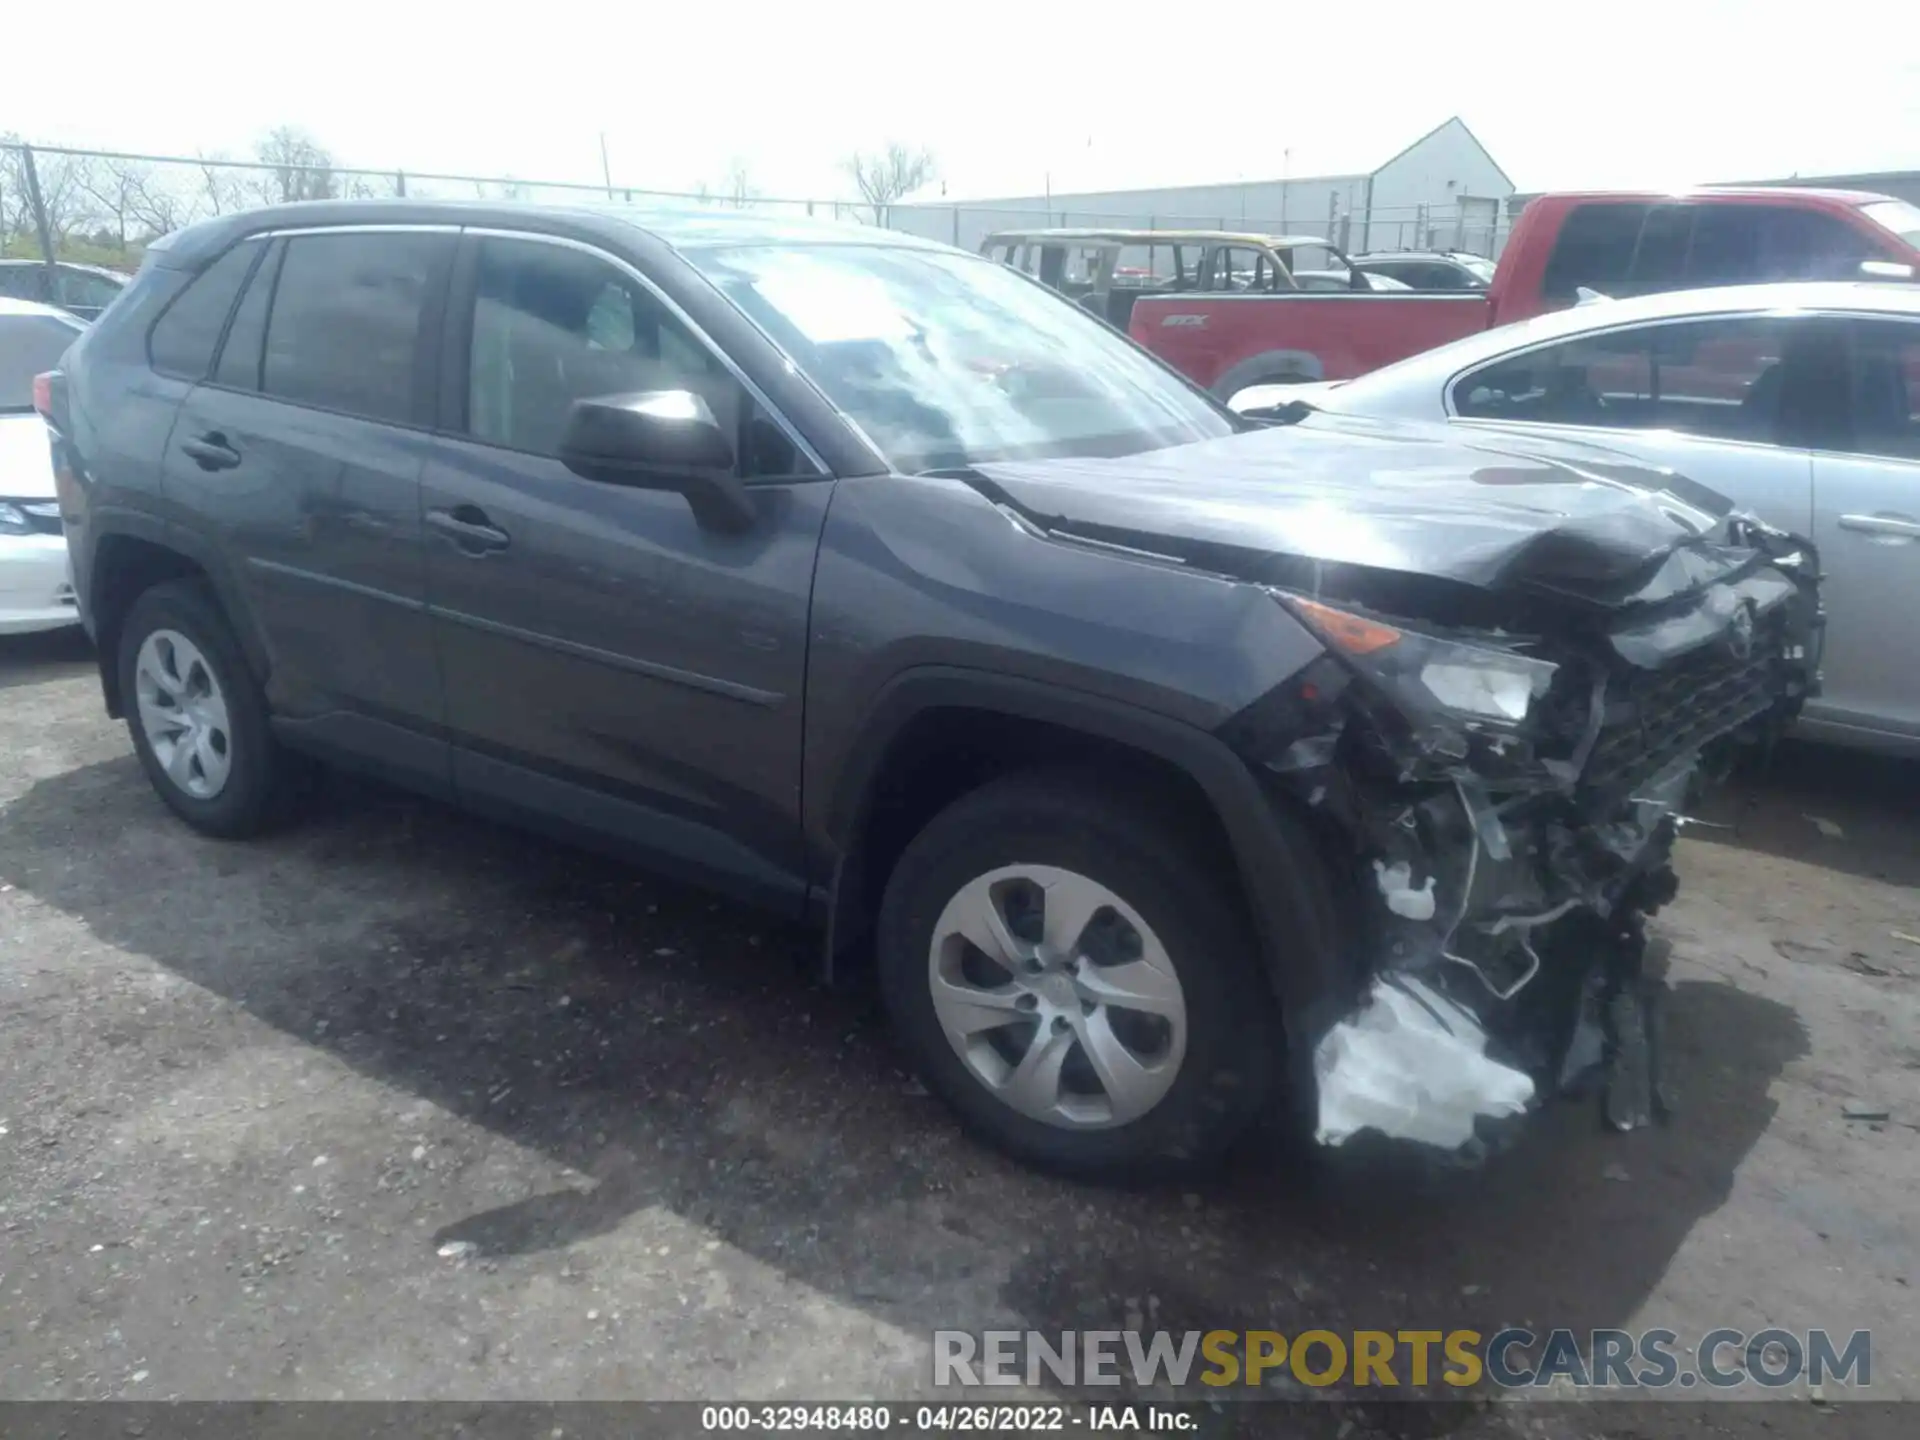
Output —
<point x="1501" y="872"/>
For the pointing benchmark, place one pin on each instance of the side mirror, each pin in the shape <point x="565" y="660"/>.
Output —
<point x="659" y="440"/>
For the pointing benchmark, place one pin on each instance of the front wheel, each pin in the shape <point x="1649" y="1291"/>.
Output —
<point x="1068" y="974"/>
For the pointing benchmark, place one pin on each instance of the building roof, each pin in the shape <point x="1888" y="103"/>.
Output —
<point x="1075" y="199"/>
<point x="1450" y="120"/>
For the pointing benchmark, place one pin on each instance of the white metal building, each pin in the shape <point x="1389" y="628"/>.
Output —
<point x="1444" y="191"/>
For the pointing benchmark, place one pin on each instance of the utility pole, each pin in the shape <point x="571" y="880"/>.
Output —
<point x="38" y="205"/>
<point x="606" y="170"/>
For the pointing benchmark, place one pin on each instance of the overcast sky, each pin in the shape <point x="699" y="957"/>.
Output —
<point x="1008" y="96"/>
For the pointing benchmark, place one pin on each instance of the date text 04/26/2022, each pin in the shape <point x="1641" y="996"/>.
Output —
<point x="949" y="1419"/>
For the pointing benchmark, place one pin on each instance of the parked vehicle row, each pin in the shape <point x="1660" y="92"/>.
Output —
<point x="1145" y="752"/>
<point x="34" y="589"/>
<point x="1423" y="270"/>
<point x="1616" y="245"/>
<point x="1109" y="271"/>
<point x="82" y="290"/>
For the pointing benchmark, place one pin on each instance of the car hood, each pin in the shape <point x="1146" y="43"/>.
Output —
<point x="1486" y="511"/>
<point x="26" y="459"/>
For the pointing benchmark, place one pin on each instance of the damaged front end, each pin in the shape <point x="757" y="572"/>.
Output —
<point x="1508" y="793"/>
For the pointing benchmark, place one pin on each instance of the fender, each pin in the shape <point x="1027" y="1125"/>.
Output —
<point x="1298" y="949"/>
<point x="1269" y="367"/>
<point x="135" y="524"/>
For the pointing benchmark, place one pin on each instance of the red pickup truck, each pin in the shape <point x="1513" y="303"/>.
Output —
<point x="1612" y="244"/>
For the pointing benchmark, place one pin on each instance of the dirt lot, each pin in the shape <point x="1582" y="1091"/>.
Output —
<point x="252" y="1096"/>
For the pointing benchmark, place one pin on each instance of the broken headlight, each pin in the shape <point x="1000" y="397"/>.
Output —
<point x="1472" y="681"/>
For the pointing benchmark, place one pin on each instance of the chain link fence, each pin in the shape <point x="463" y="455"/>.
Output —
<point x="104" y="207"/>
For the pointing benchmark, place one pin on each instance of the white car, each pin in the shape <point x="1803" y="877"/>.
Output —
<point x="1799" y="402"/>
<point x="36" y="590"/>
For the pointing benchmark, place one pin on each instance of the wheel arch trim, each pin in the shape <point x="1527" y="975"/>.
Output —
<point x="123" y="523"/>
<point x="1304" y="970"/>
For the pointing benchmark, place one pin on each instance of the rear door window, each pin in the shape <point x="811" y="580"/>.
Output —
<point x="346" y="331"/>
<point x="1721" y="378"/>
<point x="1660" y="257"/>
<point x="1594" y="249"/>
<point x="185" y="336"/>
<point x="1242" y="267"/>
<point x="83" y="290"/>
<point x="1148" y="266"/>
<point x="1885" y="389"/>
<point x="1751" y="244"/>
<point x="239" y="365"/>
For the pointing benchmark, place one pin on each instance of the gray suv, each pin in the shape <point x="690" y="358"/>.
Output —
<point x="1155" y="761"/>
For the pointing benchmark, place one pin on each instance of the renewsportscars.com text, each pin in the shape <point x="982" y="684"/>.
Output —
<point x="1719" y="1359"/>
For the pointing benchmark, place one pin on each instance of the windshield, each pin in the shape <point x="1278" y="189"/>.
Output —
<point x="1898" y="216"/>
<point x="29" y="344"/>
<point x="946" y="360"/>
<point x="1481" y="270"/>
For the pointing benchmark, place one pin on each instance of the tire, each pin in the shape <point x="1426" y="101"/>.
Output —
<point x="189" y="633"/>
<point x="1041" y="826"/>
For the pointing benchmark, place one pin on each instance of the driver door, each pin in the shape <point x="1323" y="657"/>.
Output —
<point x="607" y="658"/>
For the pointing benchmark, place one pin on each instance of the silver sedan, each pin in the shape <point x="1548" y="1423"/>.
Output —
<point x="1799" y="402"/>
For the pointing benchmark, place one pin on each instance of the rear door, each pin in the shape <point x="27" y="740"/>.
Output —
<point x="1867" y="524"/>
<point x="301" y="452"/>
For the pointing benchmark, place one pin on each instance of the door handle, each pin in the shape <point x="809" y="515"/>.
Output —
<point x="468" y="527"/>
<point x="1881" y="525"/>
<point x="211" y="451"/>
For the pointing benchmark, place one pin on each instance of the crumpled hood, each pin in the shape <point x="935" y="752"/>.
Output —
<point x="1391" y="496"/>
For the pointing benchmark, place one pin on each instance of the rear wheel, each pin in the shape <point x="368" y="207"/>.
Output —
<point x="197" y="715"/>
<point x="1070" y="976"/>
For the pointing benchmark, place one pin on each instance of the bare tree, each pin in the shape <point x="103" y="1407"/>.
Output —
<point x="885" y="176"/>
<point x="223" y="190"/>
<point x="299" y="167"/>
<point x="116" y="187"/>
<point x="158" y="208"/>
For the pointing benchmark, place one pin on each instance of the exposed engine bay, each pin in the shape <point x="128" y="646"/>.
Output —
<point x="1534" y="655"/>
<point x="1514" y="802"/>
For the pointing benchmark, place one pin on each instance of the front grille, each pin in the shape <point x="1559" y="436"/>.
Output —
<point x="1656" y="717"/>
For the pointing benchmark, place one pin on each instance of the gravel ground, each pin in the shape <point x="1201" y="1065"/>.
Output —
<point x="399" y="1105"/>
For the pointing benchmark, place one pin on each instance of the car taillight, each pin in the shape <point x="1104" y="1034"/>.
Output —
<point x="43" y="393"/>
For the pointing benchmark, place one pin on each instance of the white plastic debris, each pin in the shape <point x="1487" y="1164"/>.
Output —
<point x="1397" y="889"/>
<point x="1413" y="1065"/>
<point x="457" y="1249"/>
<point x="1827" y="827"/>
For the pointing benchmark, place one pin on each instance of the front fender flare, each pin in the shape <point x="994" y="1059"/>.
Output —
<point x="1298" y="947"/>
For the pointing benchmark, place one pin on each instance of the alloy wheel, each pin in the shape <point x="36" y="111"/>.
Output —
<point x="1058" y="997"/>
<point x="183" y="714"/>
